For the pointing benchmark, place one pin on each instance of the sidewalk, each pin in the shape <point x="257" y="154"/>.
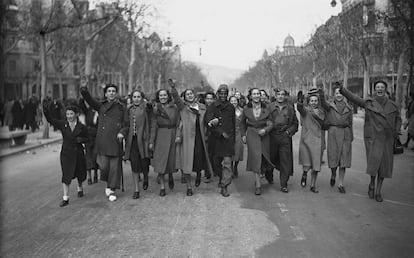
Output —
<point x="34" y="140"/>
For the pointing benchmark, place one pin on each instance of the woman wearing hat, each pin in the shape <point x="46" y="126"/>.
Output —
<point x="72" y="157"/>
<point x="340" y="135"/>
<point x="312" y="142"/>
<point x="381" y="129"/>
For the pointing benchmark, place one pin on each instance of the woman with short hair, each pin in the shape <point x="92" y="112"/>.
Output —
<point x="238" y="148"/>
<point x="163" y="135"/>
<point x="72" y="157"/>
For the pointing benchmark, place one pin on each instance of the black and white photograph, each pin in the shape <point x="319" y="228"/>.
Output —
<point x="207" y="128"/>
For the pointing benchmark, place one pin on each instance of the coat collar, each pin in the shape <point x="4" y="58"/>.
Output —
<point x="389" y="107"/>
<point x="346" y="109"/>
<point x="78" y="127"/>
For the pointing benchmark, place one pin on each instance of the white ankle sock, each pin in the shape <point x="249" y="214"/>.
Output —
<point x="66" y="197"/>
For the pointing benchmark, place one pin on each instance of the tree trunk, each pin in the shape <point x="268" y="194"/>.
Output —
<point x="88" y="64"/>
<point x="43" y="81"/>
<point x="401" y="86"/>
<point x="60" y="74"/>
<point x="131" y="64"/>
<point x="346" y="71"/>
<point x="366" y="78"/>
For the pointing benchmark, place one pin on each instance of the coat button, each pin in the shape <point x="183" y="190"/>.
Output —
<point x="103" y="127"/>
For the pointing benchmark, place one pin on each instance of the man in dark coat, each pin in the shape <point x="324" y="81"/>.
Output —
<point x="30" y="111"/>
<point x="221" y="120"/>
<point x="108" y="137"/>
<point x="285" y="125"/>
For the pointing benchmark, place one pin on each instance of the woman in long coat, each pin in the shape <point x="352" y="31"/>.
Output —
<point x="239" y="147"/>
<point x="312" y="142"/>
<point x="136" y="133"/>
<point x="72" y="158"/>
<point x="163" y="134"/>
<point x="339" y="117"/>
<point x="255" y="127"/>
<point x="381" y="128"/>
<point x="193" y="149"/>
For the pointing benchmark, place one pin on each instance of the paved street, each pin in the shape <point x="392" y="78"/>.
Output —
<point x="297" y="224"/>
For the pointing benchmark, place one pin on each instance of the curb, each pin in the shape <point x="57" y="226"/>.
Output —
<point x="29" y="148"/>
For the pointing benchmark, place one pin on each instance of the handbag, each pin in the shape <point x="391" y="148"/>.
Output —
<point x="398" y="147"/>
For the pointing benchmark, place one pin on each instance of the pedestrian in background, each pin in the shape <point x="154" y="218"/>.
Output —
<point x="91" y="122"/>
<point x="30" y="111"/>
<point x="136" y="132"/>
<point x="18" y="114"/>
<point x="164" y="123"/>
<point x="409" y="124"/>
<point x="192" y="145"/>
<point x="56" y="110"/>
<point x="285" y="125"/>
<point x="312" y="140"/>
<point x="238" y="146"/>
<point x="256" y="124"/>
<point x="72" y="158"/>
<point x="221" y="121"/>
<point x="8" y="115"/>
<point x="210" y="99"/>
<point x="339" y="117"/>
<point x="381" y="129"/>
<point x="108" y="137"/>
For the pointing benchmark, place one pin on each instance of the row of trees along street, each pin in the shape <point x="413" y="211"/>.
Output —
<point x="347" y="45"/>
<point x="114" y="38"/>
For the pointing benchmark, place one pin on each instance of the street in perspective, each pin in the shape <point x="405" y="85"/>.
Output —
<point x="191" y="128"/>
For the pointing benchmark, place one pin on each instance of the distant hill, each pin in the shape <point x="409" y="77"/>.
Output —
<point x="217" y="74"/>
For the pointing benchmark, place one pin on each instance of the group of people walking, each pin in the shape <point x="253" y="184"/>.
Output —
<point x="179" y="133"/>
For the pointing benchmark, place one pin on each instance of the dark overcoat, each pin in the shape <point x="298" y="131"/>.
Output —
<point x="142" y="127"/>
<point x="226" y="114"/>
<point x="381" y="128"/>
<point x="110" y="123"/>
<point x="163" y="133"/>
<point x="72" y="158"/>
<point x="285" y="123"/>
<point x="257" y="146"/>
<point x="188" y="133"/>
<point x="340" y="134"/>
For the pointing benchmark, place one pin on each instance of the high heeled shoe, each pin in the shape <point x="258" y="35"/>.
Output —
<point x="378" y="198"/>
<point x="64" y="203"/>
<point x="171" y="183"/>
<point x="135" y="195"/>
<point x="224" y="191"/>
<point x="189" y="192"/>
<point x="313" y="189"/>
<point x="341" y="189"/>
<point x="162" y="192"/>
<point x="303" y="181"/>
<point x="332" y="182"/>
<point x="258" y="191"/>
<point x="371" y="192"/>
<point x="198" y="180"/>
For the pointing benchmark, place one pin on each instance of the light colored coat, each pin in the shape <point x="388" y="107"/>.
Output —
<point x="187" y="131"/>
<point x="312" y="140"/>
<point x="381" y="128"/>
<point x="340" y="135"/>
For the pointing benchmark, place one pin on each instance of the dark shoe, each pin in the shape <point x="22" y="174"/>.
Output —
<point x="341" y="189"/>
<point x="198" y="180"/>
<point x="332" y="182"/>
<point x="189" y="192"/>
<point x="64" y="203"/>
<point x="258" y="191"/>
<point x="220" y="184"/>
<point x="378" y="198"/>
<point x="95" y="179"/>
<point x="313" y="189"/>
<point x="145" y="185"/>
<point x="162" y="192"/>
<point x="80" y="194"/>
<point x="224" y="191"/>
<point x="284" y="189"/>
<point x="90" y="181"/>
<point x="371" y="192"/>
<point x="135" y="195"/>
<point x="171" y="183"/>
<point x="303" y="181"/>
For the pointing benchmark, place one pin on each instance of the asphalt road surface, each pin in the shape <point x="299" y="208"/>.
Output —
<point x="275" y="224"/>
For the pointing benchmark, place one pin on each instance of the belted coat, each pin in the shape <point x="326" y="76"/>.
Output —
<point x="381" y="128"/>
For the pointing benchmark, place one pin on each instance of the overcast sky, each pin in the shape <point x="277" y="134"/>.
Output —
<point x="236" y="32"/>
